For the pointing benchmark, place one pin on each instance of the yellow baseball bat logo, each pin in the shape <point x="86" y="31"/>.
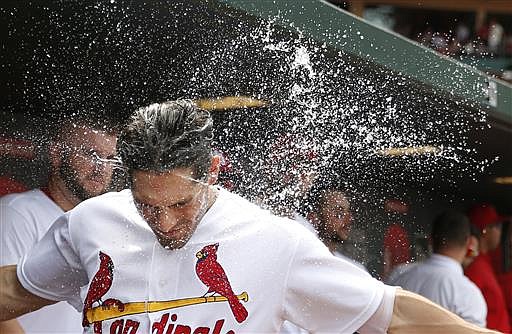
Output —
<point x="101" y="313"/>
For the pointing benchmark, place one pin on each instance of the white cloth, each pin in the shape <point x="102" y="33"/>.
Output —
<point x="399" y="270"/>
<point x="24" y="219"/>
<point x="307" y="224"/>
<point x="286" y="271"/>
<point x="340" y="255"/>
<point x="441" y="279"/>
<point x="288" y="327"/>
<point x="304" y="222"/>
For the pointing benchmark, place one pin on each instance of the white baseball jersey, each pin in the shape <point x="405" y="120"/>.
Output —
<point x="103" y="252"/>
<point x="307" y="224"/>
<point x="24" y="219"/>
<point x="288" y="327"/>
<point x="441" y="279"/>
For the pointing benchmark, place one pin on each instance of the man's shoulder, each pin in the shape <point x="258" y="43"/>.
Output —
<point x="304" y="222"/>
<point x="422" y="271"/>
<point x="32" y="204"/>
<point x="25" y="219"/>
<point x="238" y="213"/>
<point x="469" y="286"/>
<point x="107" y="213"/>
<point x="430" y="271"/>
<point x="401" y="272"/>
<point x="444" y="277"/>
<point x="234" y="208"/>
<point x="16" y="200"/>
<point x="111" y="204"/>
<point x="112" y="199"/>
<point x="350" y="260"/>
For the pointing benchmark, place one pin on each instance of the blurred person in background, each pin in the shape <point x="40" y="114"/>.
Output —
<point x="81" y="155"/>
<point x="473" y="246"/>
<point x="396" y="243"/>
<point x="502" y="263"/>
<point x="505" y="279"/>
<point x="440" y="278"/>
<point x="331" y="219"/>
<point x="462" y="33"/>
<point x="495" y="36"/>
<point x="485" y="218"/>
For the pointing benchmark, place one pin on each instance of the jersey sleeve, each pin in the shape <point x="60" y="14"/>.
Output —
<point x="328" y="294"/>
<point x="17" y="235"/>
<point x="52" y="268"/>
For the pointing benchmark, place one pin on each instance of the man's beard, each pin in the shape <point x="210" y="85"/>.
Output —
<point x="70" y="178"/>
<point x="329" y="236"/>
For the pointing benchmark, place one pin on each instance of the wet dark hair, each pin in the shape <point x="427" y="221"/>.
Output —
<point x="475" y="231"/>
<point x="317" y="197"/>
<point x="450" y="229"/>
<point x="324" y="193"/>
<point x="93" y="120"/>
<point x="166" y="136"/>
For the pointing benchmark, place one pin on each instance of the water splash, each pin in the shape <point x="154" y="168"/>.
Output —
<point x="115" y="57"/>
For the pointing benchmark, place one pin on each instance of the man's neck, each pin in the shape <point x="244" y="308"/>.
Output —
<point x="212" y="196"/>
<point x="456" y="254"/>
<point x="60" y="194"/>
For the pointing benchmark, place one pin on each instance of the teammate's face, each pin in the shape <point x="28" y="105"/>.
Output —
<point x="492" y="235"/>
<point x="172" y="203"/>
<point x="86" y="162"/>
<point x="335" y="217"/>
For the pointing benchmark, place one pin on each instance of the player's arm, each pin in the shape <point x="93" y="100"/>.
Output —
<point x="15" y="300"/>
<point x="413" y="313"/>
<point x="11" y="327"/>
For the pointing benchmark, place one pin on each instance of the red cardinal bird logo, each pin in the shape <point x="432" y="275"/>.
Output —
<point x="213" y="276"/>
<point x="100" y="284"/>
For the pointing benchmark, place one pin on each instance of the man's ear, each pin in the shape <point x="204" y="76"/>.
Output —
<point x="472" y="246"/>
<point x="213" y="172"/>
<point x="469" y="242"/>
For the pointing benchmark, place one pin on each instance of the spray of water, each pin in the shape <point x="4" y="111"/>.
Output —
<point x="332" y="114"/>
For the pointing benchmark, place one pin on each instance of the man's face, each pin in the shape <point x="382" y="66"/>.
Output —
<point x="493" y="235"/>
<point x="335" y="217"/>
<point x="86" y="161"/>
<point x="172" y="203"/>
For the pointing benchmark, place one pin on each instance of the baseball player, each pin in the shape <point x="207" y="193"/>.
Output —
<point x="332" y="220"/>
<point x="175" y="254"/>
<point x="80" y="169"/>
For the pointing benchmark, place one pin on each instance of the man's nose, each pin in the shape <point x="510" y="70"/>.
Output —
<point x="102" y="166"/>
<point x="166" y="220"/>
